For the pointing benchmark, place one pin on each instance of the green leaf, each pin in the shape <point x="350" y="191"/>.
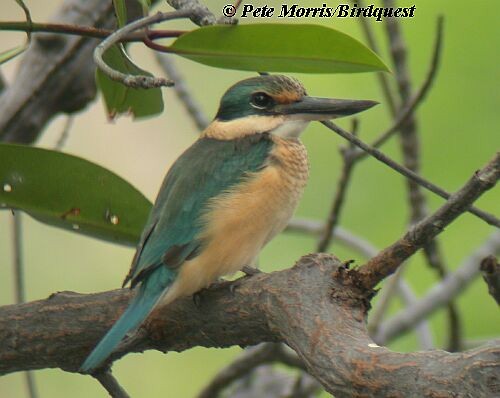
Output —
<point x="71" y="193"/>
<point x="122" y="99"/>
<point x="121" y="12"/>
<point x="9" y="54"/>
<point x="146" y="4"/>
<point x="295" y="48"/>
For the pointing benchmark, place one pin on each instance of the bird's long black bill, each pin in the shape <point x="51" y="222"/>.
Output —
<point x="315" y="108"/>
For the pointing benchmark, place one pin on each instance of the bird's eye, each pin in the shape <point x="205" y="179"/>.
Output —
<point x="261" y="100"/>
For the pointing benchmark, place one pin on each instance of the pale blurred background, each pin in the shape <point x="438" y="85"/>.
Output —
<point x="459" y="133"/>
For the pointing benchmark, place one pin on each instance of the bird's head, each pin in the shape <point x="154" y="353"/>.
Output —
<point x="276" y="104"/>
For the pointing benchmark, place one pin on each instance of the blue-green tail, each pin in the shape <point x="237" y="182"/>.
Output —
<point x="137" y="311"/>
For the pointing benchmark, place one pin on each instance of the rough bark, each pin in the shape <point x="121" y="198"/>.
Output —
<point x="313" y="307"/>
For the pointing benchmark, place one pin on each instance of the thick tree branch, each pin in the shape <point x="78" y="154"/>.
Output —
<point x="440" y="294"/>
<point x="313" y="307"/>
<point x="386" y="262"/>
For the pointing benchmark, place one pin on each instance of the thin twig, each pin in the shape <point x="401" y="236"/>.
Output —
<point x="490" y="268"/>
<point x="3" y="83"/>
<point x="440" y="294"/>
<point x="111" y="385"/>
<point x="135" y="81"/>
<point x="86" y="31"/>
<point x="489" y="218"/>
<point x="184" y="95"/>
<point x="422" y="328"/>
<point x="63" y="137"/>
<point x="348" y="163"/>
<point x="268" y="382"/>
<point x="410" y="106"/>
<point x="315" y="228"/>
<point x="391" y="287"/>
<point x="17" y="241"/>
<point x="381" y="76"/>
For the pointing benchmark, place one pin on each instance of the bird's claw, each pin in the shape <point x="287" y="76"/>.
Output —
<point x="250" y="271"/>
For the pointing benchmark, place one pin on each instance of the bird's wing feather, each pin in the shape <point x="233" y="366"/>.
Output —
<point x="205" y="170"/>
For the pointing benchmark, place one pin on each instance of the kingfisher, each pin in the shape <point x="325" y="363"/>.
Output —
<point x="224" y="198"/>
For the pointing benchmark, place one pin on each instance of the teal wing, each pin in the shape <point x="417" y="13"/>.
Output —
<point x="205" y="170"/>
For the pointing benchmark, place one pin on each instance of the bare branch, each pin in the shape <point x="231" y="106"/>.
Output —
<point x="313" y="307"/>
<point x="332" y="221"/>
<point x="368" y="250"/>
<point x="390" y="288"/>
<point x="422" y="328"/>
<point x="489" y="218"/>
<point x="135" y="81"/>
<point x="200" y="14"/>
<point x="85" y="31"/>
<point x="439" y="294"/>
<point x="111" y="385"/>
<point x="268" y="382"/>
<point x="411" y="104"/>
<point x="194" y="110"/>
<point x="382" y="77"/>
<point x="410" y="146"/>
<point x="387" y="261"/>
<point x="245" y="363"/>
<point x="313" y="227"/>
<point x="490" y="267"/>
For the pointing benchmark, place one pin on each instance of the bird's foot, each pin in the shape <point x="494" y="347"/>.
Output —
<point x="250" y="271"/>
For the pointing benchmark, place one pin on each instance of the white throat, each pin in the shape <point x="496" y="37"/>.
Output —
<point x="290" y="128"/>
